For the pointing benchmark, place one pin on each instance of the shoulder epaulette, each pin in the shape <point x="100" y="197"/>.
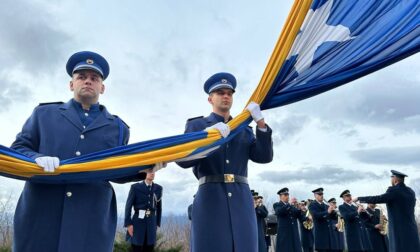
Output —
<point x="198" y="117"/>
<point x="122" y="121"/>
<point x="48" y="103"/>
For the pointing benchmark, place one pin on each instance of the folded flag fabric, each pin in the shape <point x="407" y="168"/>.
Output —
<point x="323" y="44"/>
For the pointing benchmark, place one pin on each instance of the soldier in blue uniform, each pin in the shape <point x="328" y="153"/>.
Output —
<point x="145" y="198"/>
<point x="306" y="235"/>
<point x="70" y="217"/>
<point x="287" y="223"/>
<point x="354" y="218"/>
<point x="224" y="216"/>
<point x="261" y="213"/>
<point x="321" y="215"/>
<point x="379" y="241"/>
<point x="400" y="201"/>
<point x="337" y="237"/>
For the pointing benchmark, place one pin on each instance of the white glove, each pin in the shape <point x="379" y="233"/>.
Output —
<point x="255" y="111"/>
<point x="223" y="128"/>
<point x="48" y="163"/>
<point x="158" y="166"/>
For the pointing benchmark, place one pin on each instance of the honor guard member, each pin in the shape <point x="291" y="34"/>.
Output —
<point x="261" y="213"/>
<point x="224" y="216"/>
<point x="337" y="237"/>
<point x="70" y="217"/>
<point x="306" y="235"/>
<point x="354" y="218"/>
<point x="374" y="226"/>
<point x="146" y="199"/>
<point x="287" y="225"/>
<point x="321" y="214"/>
<point x="400" y="202"/>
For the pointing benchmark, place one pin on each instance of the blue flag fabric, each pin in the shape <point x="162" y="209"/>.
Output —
<point x="340" y="41"/>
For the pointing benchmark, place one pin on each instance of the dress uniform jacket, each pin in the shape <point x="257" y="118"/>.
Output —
<point x="337" y="238"/>
<point x="224" y="215"/>
<point x="322" y="222"/>
<point x="66" y="217"/>
<point x="379" y="241"/>
<point x="356" y="233"/>
<point x="306" y="237"/>
<point x="400" y="201"/>
<point x="261" y="213"/>
<point x="287" y="227"/>
<point x="143" y="197"/>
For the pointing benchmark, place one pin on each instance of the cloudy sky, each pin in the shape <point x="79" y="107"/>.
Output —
<point x="161" y="52"/>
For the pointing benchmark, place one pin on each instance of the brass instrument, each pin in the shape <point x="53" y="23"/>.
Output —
<point x="340" y="219"/>
<point x="383" y="221"/>
<point x="340" y="222"/>
<point x="308" y="223"/>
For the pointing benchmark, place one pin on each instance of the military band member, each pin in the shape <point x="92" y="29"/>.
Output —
<point x="400" y="202"/>
<point x="224" y="216"/>
<point x="379" y="241"/>
<point x="261" y="213"/>
<point x="287" y="224"/>
<point x="337" y="237"/>
<point x="321" y="215"/>
<point x="146" y="199"/>
<point x="70" y="217"/>
<point x="306" y="235"/>
<point x="354" y="218"/>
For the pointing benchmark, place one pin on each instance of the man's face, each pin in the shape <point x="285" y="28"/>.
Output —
<point x="319" y="197"/>
<point x="221" y="99"/>
<point x="393" y="180"/>
<point x="347" y="198"/>
<point x="150" y="176"/>
<point x="87" y="85"/>
<point x="284" y="197"/>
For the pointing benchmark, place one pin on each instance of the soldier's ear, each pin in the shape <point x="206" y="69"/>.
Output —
<point x="71" y="86"/>
<point x="209" y="99"/>
<point x="102" y="89"/>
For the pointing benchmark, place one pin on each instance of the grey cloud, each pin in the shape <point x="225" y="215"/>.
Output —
<point x="11" y="92"/>
<point x="288" y="127"/>
<point x="29" y="37"/>
<point x="386" y="100"/>
<point x="388" y="156"/>
<point x="415" y="185"/>
<point x="317" y="176"/>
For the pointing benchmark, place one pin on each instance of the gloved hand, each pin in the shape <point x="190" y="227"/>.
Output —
<point x="158" y="166"/>
<point x="223" y="128"/>
<point x="255" y="111"/>
<point x="48" y="163"/>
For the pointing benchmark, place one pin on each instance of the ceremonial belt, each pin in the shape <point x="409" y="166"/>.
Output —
<point x="225" y="178"/>
<point x="148" y="212"/>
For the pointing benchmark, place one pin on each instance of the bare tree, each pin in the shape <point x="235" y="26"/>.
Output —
<point x="6" y="221"/>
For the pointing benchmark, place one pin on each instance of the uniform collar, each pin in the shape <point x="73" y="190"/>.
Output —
<point x="213" y="117"/>
<point x="148" y="184"/>
<point x="93" y="107"/>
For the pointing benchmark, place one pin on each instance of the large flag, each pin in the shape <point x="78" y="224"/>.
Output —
<point x="324" y="44"/>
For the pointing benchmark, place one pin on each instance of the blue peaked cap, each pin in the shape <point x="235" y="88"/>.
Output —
<point x="86" y="60"/>
<point x="219" y="81"/>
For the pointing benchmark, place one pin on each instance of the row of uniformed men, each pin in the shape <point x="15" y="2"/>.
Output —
<point x="323" y="226"/>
